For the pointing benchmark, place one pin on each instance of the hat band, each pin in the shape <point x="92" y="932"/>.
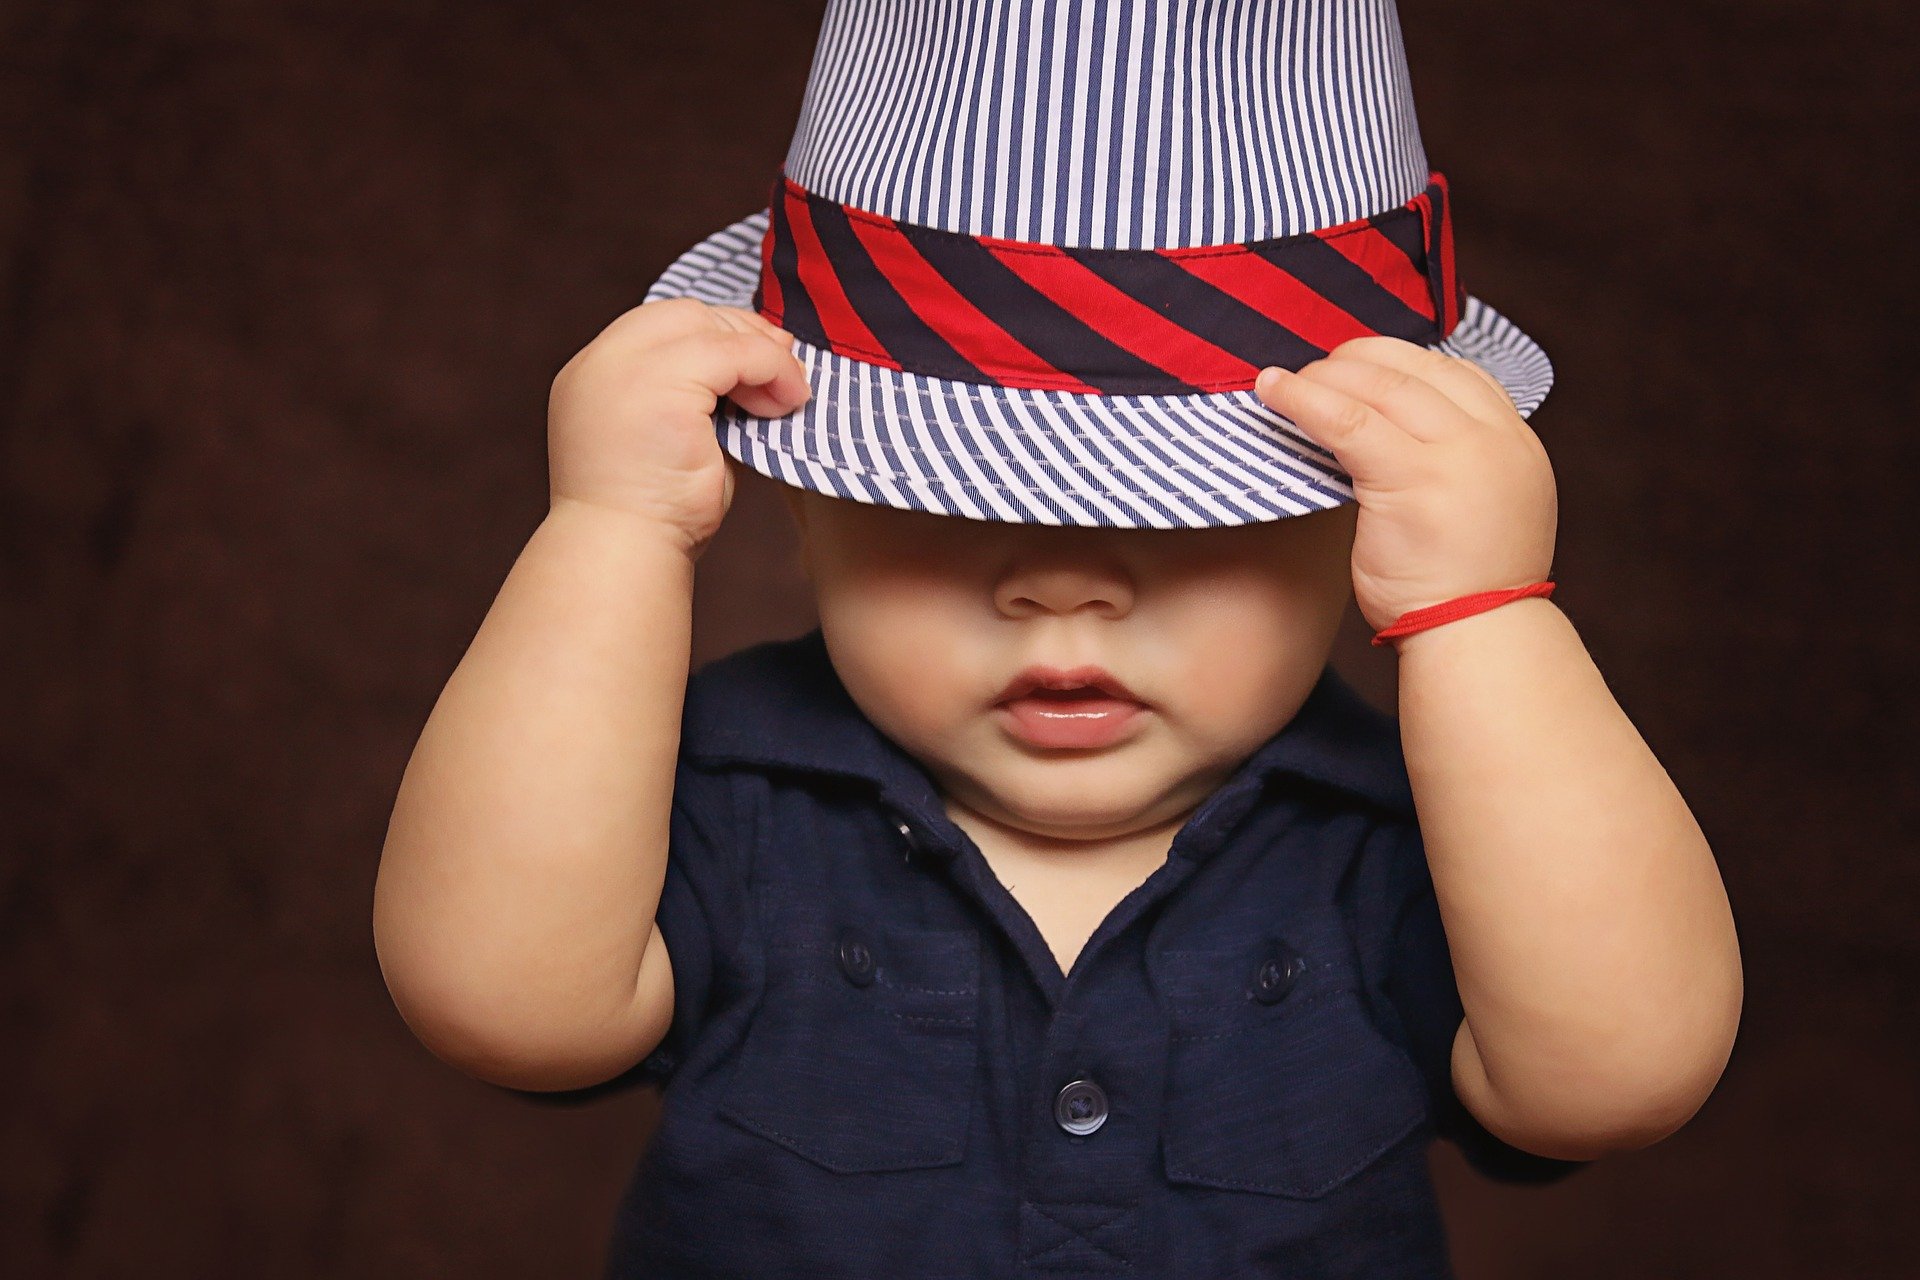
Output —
<point x="1176" y="321"/>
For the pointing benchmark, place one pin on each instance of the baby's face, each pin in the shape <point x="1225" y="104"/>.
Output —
<point x="1221" y="633"/>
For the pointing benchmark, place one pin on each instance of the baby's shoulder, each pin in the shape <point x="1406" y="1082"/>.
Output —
<point x="775" y="688"/>
<point x="779" y="707"/>
<point x="1347" y="747"/>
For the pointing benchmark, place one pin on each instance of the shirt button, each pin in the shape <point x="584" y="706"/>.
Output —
<point x="1277" y="974"/>
<point x="913" y="844"/>
<point x="856" y="958"/>
<point x="1080" y="1107"/>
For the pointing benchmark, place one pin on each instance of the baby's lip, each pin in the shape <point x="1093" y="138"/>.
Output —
<point x="1040" y="676"/>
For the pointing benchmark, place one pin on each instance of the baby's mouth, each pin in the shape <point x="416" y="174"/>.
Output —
<point x="1077" y="694"/>
<point x="1080" y="717"/>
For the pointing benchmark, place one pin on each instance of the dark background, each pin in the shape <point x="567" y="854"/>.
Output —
<point x="284" y="288"/>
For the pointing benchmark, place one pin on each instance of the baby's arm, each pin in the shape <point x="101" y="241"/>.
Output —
<point x="1592" y="940"/>
<point x="1591" y="936"/>
<point x="527" y="849"/>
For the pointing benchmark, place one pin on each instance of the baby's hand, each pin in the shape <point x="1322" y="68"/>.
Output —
<point x="1456" y="493"/>
<point x="630" y="417"/>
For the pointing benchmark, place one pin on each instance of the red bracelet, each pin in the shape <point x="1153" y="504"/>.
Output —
<point x="1459" y="607"/>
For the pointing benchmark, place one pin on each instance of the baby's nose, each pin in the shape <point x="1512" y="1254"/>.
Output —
<point x="1066" y="588"/>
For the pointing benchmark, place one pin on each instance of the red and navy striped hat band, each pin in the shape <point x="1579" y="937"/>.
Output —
<point x="1102" y="321"/>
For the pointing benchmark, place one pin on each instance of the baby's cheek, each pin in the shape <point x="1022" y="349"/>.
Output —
<point x="904" y="669"/>
<point x="1247" y="675"/>
<point x="1227" y="701"/>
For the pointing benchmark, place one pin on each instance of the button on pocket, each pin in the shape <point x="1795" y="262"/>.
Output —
<point x="862" y="1057"/>
<point x="856" y="958"/>
<point x="1279" y="1081"/>
<point x="1277" y="973"/>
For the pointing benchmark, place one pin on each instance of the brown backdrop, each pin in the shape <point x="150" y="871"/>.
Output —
<point x="284" y="288"/>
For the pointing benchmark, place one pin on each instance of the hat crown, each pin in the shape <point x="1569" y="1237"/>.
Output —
<point x="1117" y="124"/>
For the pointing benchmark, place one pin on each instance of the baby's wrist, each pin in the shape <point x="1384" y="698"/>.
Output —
<point x="1471" y="628"/>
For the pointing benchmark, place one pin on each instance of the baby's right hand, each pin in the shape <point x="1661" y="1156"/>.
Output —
<point x="630" y="416"/>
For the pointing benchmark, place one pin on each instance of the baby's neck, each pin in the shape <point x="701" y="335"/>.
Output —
<point x="1067" y="887"/>
<point x="1016" y="843"/>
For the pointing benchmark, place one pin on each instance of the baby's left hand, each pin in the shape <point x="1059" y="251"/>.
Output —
<point x="1456" y="493"/>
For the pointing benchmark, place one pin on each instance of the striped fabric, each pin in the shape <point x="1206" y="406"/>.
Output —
<point x="1101" y="321"/>
<point x="1178" y="135"/>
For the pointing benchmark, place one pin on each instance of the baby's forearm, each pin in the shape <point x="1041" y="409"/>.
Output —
<point x="528" y="842"/>
<point x="1591" y="935"/>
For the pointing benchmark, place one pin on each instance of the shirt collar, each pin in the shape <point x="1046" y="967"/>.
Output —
<point x="780" y="704"/>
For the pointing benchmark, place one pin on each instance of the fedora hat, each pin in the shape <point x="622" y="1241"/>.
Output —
<point x="1034" y="255"/>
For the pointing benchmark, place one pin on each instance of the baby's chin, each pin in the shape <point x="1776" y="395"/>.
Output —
<point x="1079" y="798"/>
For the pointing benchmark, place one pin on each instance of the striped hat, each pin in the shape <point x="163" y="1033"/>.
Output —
<point x="1035" y="253"/>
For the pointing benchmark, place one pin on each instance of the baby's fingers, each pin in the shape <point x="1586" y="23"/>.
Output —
<point x="758" y="373"/>
<point x="765" y="400"/>
<point x="1368" y="446"/>
<point x="749" y="320"/>
<point x="1405" y="399"/>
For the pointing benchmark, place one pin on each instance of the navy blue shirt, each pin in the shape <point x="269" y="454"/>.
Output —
<point x="877" y="1068"/>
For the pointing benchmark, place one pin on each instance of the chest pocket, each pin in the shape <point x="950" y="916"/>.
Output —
<point x="863" y="1056"/>
<point x="1279" y="1081"/>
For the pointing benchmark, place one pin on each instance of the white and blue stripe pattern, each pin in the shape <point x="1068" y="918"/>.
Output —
<point x="1122" y="124"/>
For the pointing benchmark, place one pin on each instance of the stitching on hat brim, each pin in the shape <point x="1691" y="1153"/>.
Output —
<point x="939" y="482"/>
<point x="1035" y="460"/>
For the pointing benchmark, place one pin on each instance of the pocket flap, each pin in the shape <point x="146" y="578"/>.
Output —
<point x="864" y="1065"/>
<point x="1279" y="1084"/>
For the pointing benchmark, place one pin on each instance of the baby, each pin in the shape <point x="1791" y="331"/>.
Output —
<point x="1053" y="908"/>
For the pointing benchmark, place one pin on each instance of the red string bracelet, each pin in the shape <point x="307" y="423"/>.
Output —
<point x="1459" y="607"/>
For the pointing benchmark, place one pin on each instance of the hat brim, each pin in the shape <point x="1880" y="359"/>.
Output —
<point x="1020" y="456"/>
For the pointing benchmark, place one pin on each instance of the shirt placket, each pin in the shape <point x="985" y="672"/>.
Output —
<point x="1091" y="1117"/>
